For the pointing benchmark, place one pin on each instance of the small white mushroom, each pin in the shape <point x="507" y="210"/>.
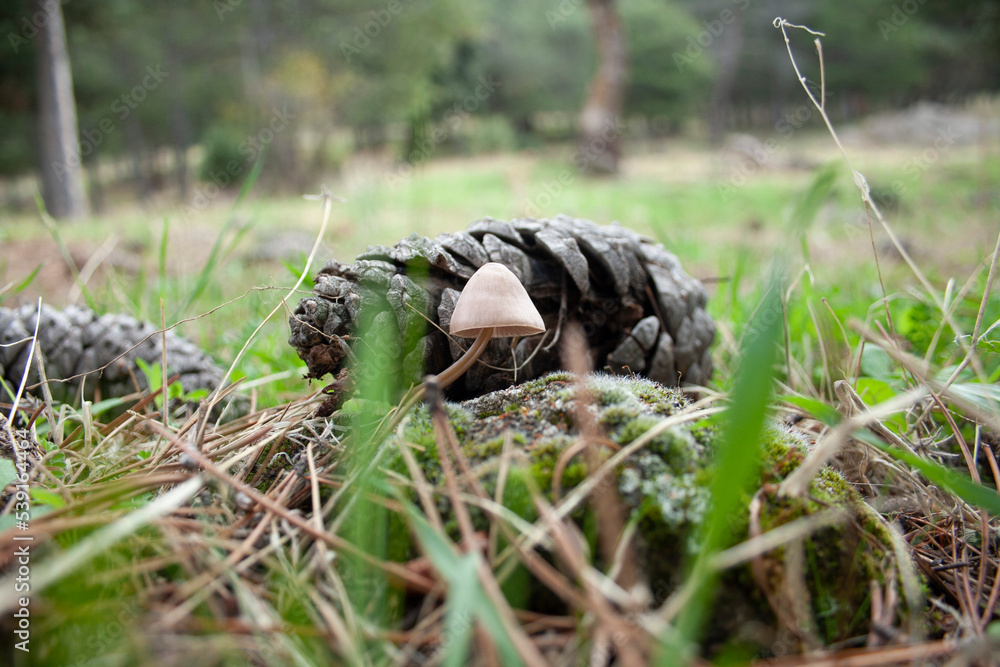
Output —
<point x="494" y="304"/>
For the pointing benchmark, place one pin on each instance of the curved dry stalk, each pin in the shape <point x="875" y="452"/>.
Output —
<point x="862" y="184"/>
<point x="328" y="200"/>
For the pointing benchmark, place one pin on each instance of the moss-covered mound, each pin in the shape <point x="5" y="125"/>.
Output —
<point x="663" y="484"/>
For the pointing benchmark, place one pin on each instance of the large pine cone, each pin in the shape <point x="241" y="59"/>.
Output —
<point x="640" y="311"/>
<point x="77" y="341"/>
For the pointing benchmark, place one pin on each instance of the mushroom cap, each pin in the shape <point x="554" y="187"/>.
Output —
<point x="495" y="298"/>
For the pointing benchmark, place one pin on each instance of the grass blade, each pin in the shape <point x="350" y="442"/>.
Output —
<point x="736" y="467"/>
<point x="205" y="275"/>
<point x="100" y="540"/>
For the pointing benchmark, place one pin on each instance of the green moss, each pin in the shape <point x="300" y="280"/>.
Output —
<point x="843" y="558"/>
<point x="781" y="453"/>
<point x="546" y="381"/>
<point x="490" y="448"/>
<point x="543" y="463"/>
<point x="517" y="495"/>
<point x="663" y="485"/>
<point x="617" y="417"/>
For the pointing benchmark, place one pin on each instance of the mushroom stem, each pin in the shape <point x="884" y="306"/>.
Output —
<point x="443" y="379"/>
<point x="464" y="363"/>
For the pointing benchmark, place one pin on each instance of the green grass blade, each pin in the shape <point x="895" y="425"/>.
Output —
<point x="53" y="228"/>
<point x="978" y="495"/>
<point x="467" y="601"/>
<point x="63" y="564"/>
<point x="810" y="202"/>
<point x="736" y="468"/>
<point x="822" y="411"/>
<point x="218" y="247"/>
<point x="23" y="285"/>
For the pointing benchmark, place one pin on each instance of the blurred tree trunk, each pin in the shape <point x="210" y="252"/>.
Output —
<point x="59" y="145"/>
<point x="600" y="121"/>
<point x="727" y="61"/>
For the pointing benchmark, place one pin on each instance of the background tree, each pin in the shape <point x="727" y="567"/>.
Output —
<point x="666" y="86"/>
<point x="59" y="148"/>
<point x="358" y="75"/>
<point x="601" y="119"/>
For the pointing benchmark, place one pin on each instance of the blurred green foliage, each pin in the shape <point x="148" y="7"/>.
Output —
<point x="397" y="70"/>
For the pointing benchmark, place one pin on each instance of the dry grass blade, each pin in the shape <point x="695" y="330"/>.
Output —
<point x="866" y="195"/>
<point x="328" y="200"/>
<point x="609" y="512"/>
<point x="920" y="370"/>
<point x="798" y="482"/>
<point x="446" y="444"/>
<point x="894" y="655"/>
<point x="568" y="542"/>
<point x="763" y="542"/>
<point x="403" y="574"/>
<point x="24" y="380"/>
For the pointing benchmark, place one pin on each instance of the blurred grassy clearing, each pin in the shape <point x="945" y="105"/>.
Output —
<point x="680" y="193"/>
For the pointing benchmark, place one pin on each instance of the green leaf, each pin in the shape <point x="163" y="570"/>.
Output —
<point x="8" y="521"/>
<point x="818" y="409"/>
<point x="873" y="392"/>
<point x="876" y="363"/>
<point x="46" y="497"/>
<point x="985" y="344"/>
<point x="150" y="372"/>
<point x="8" y="473"/>
<point x="989" y="345"/>
<point x="984" y="396"/>
<point x="977" y="495"/>
<point x="103" y="406"/>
